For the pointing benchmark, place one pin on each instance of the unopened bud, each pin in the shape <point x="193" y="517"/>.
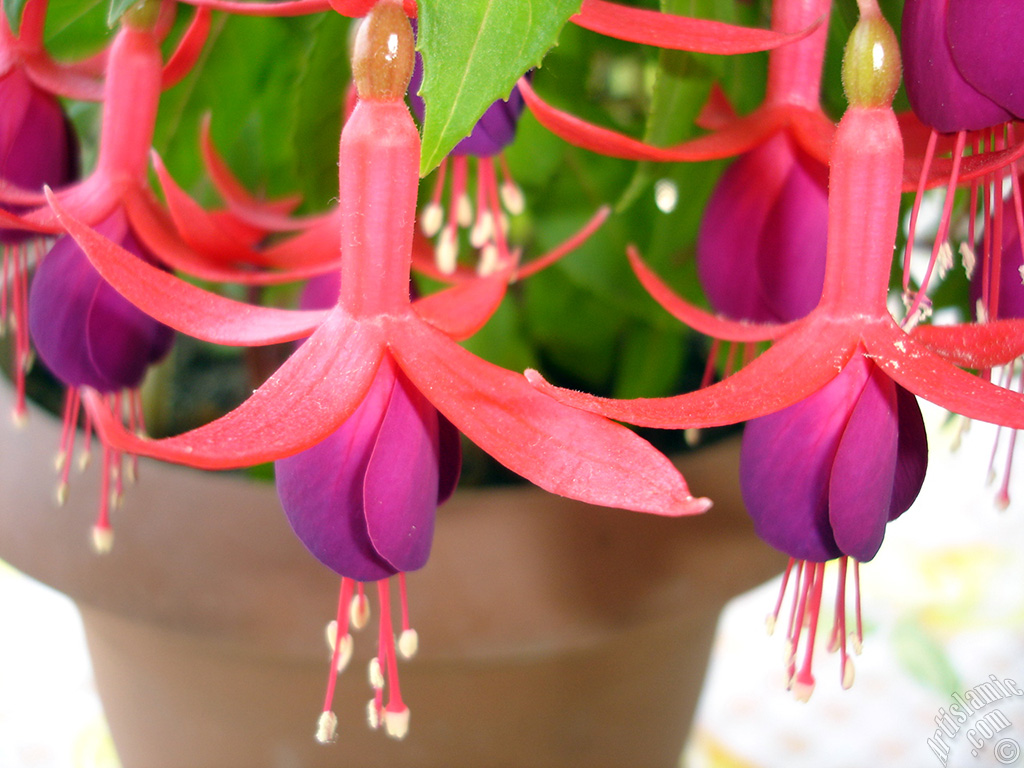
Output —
<point x="871" y="63"/>
<point x="383" y="54"/>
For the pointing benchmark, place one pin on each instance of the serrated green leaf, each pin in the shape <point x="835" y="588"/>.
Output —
<point x="473" y="53"/>
<point x="13" y="10"/>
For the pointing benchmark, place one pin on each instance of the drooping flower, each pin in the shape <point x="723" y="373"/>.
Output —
<point x="822" y="478"/>
<point x="374" y="327"/>
<point x="88" y="335"/>
<point x="37" y="147"/>
<point x="761" y="245"/>
<point x="851" y="322"/>
<point x="961" y="84"/>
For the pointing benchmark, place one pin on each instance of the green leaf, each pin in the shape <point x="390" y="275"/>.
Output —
<point x="13" y="10"/>
<point x="473" y="53"/>
<point x="117" y="9"/>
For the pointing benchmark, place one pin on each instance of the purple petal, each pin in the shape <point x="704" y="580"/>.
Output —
<point x="985" y="42"/>
<point x="761" y="246"/>
<point x="37" y="144"/>
<point x="321" y="292"/>
<point x="495" y="129"/>
<point x="321" y="488"/>
<point x="786" y="465"/>
<point x="911" y="456"/>
<point x="862" y="480"/>
<point x="1011" y="289"/>
<point x="400" y="489"/>
<point x="451" y="458"/>
<point x="791" y="256"/>
<point x="938" y="92"/>
<point x="86" y="332"/>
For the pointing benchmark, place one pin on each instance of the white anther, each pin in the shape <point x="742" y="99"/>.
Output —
<point x="408" y="643"/>
<point x="83" y="459"/>
<point x="945" y="259"/>
<point x="968" y="258"/>
<point x="102" y="540"/>
<point x="488" y="263"/>
<point x="373" y="714"/>
<point x="769" y="623"/>
<point x="359" y="611"/>
<point x="464" y="210"/>
<point x="447" y="254"/>
<point x="512" y="198"/>
<point x="60" y="460"/>
<point x="396" y="722"/>
<point x="62" y="494"/>
<point x="803" y="691"/>
<point x="483" y="230"/>
<point x="375" y="673"/>
<point x="327" y="727"/>
<point x="848" y="674"/>
<point x="431" y="219"/>
<point x="692" y="436"/>
<point x="345" y="651"/>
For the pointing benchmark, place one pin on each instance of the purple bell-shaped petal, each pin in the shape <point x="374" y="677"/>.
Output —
<point x="363" y="500"/>
<point x="495" y="129"/>
<point x="83" y="329"/>
<point x="37" y="143"/>
<point x="984" y="39"/>
<point x="942" y="93"/>
<point x="823" y="477"/>
<point x="1010" y="302"/>
<point x="761" y="246"/>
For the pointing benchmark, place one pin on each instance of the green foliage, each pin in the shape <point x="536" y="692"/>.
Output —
<point x="473" y="53"/>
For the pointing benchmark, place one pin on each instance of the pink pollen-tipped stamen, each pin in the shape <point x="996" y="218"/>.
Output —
<point x="396" y="714"/>
<point x="803" y="683"/>
<point x="327" y="724"/>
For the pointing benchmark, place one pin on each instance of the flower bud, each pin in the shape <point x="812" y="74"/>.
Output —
<point x="871" y="63"/>
<point x="384" y="52"/>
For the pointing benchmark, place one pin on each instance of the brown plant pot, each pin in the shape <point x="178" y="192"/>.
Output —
<point x="551" y="633"/>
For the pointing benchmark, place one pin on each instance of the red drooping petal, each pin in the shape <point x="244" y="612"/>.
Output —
<point x="560" y="449"/>
<point x="927" y="375"/>
<point x="249" y="8"/>
<point x="199" y="229"/>
<point x="92" y="201"/>
<point x="189" y="48"/>
<point x="460" y="311"/>
<point x="306" y="399"/>
<point x="269" y="215"/>
<point x="811" y="130"/>
<point x="974" y="345"/>
<point x="182" y="305"/>
<point x="700" y="320"/>
<point x="157" y="233"/>
<point x="666" y="30"/>
<point x="788" y="372"/>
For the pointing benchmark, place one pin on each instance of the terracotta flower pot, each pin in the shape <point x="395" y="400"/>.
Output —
<point x="551" y="633"/>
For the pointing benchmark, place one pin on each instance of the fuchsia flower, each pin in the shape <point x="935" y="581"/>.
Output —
<point x="374" y="341"/>
<point x="961" y="80"/>
<point x="963" y="66"/>
<point x="850" y="334"/>
<point x="761" y="245"/>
